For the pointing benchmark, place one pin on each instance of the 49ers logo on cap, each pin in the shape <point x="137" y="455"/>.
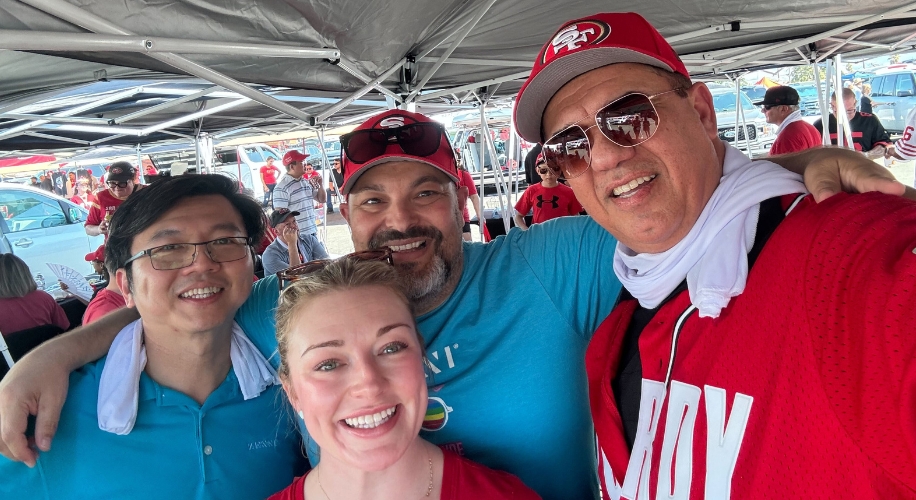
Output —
<point x="574" y="36"/>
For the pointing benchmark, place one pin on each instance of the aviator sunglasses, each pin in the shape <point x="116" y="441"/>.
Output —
<point x="416" y="139"/>
<point x="287" y="276"/>
<point x="627" y="121"/>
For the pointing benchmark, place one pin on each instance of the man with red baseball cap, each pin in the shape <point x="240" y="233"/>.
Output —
<point x="297" y="190"/>
<point x="763" y="345"/>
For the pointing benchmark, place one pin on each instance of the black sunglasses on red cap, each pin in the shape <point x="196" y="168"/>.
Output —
<point x="415" y="139"/>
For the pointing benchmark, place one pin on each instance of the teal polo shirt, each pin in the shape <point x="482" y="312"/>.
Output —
<point x="178" y="449"/>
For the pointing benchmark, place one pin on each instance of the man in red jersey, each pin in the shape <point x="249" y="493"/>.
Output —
<point x="120" y="184"/>
<point x="764" y="347"/>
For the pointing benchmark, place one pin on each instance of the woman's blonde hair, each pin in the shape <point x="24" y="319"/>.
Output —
<point x="341" y="274"/>
<point x="15" y="277"/>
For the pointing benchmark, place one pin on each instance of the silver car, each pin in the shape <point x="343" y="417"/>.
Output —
<point x="40" y="227"/>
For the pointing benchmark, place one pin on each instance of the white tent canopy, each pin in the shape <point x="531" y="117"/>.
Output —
<point x="106" y="73"/>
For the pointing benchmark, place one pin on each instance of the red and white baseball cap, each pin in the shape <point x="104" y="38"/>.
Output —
<point x="443" y="158"/>
<point x="581" y="46"/>
<point x="98" y="255"/>
<point x="293" y="155"/>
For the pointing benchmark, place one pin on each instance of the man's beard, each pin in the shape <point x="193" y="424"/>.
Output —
<point x="421" y="286"/>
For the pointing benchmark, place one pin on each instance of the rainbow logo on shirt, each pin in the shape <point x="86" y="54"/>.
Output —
<point x="436" y="415"/>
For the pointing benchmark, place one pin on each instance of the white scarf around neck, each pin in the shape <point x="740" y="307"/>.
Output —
<point x="793" y="117"/>
<point x="119" y="385"/>
<point x="713" y="255"/>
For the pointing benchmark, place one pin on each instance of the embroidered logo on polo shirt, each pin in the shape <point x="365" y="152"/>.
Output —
<point x="261" y="445"/>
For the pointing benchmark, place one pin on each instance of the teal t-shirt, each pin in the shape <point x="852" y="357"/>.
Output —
<point x="507" y="382"/>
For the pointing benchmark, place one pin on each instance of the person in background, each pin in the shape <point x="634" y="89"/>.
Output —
<point x="356" y="379"/>
<point x="865" y="101"/>
<point x="22" y="304"/>
<point x="549" y="199"/>
<point x="868" y="135"/>
<point x="71" y="185"/>
<point x="269" y="173"/>
<point x="466" y="180"/>
<point x="46" y="183"/>
<point x="107" y="299"/>
<point x="120" y="185"/>
<point x="84" y="197"/>
<point x="97" y="260"/>
<point x="289" y="249"/>
<point x="334" y="183"/>
<point x="780" y="106"/>
<point x="298" y="190"/>
<point x="34" y="182"/>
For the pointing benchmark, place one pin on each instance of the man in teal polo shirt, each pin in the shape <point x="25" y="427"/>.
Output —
<point x="183" y="405"/>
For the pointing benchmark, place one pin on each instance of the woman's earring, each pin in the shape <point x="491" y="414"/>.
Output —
<point x="301" y="415"/>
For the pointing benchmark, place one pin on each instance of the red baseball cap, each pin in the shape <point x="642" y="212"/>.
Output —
<point x="443" y="158"/>
<point x="581" y="46"/>
<point x="98" y="255"/>
<point x="293" y="155"/>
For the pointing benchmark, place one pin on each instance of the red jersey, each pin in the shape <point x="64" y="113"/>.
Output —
<point x="269" y="174"/>
<point x="87" y="203"/>
<point x="103" y="208"/>
<point x="797" y="136"/>
<point x="462" y="479"/>
<point x="103" y="303"/>
<point x="802" y="388"/>
<point x="465" y="180"/>
<point x="548" y="203"/>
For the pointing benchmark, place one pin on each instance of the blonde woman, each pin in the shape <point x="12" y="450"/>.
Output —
<point x="356" y="378"/>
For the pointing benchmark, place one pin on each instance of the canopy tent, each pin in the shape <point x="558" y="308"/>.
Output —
<point x="766" y="82"/>
<point x="101" y="73"/>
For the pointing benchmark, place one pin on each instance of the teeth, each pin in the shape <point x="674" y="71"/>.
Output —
<point x="200" y="293"/>
<point x="409" y="246"/>
<point x="371" y="421"/>
<point x="626" y="188"/>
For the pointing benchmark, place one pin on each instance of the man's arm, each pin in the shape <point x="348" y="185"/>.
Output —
<point x="829" y="170"/>
<point x="37" y="384"/>
<point x="520" y="221"/>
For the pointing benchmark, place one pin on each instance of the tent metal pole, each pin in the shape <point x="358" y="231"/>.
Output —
<point x="52" y="41"/>
<point x="343" y="103"/>
<point x="105" y="139"/>
<point x="740" y="106"/>
<point x="861" y="43"/>
<point x="448" y="52"/>
<point x="502" y="63"/>
<point x="59" y="119"/>
<point x="472" y="86"/>
<point x="498" y="179"/>
<point x="838" y="46"/>
<point x="843" y="128"/>
<point x="737" y="112"/>
<point x="822" y="104"/>
<point x="59" y="138"/>
<point x="814" y="38"/>
<point x="193" y="116"/>
<point x="349" y="68"/>
<point x="326" y="166"/>
<point x="73" y="14"/>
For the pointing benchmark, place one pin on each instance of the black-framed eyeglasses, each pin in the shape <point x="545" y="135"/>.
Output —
<point x="117" y="184"/>
<point x="289" y="275"/>
<point x="180" y="255"/>
<point x="415" y="139"/>
<point x="627" y="121"/>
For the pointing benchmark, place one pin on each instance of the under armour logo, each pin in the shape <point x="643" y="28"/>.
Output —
<point x="553" y="201"/>
<point x="392" y="122"/>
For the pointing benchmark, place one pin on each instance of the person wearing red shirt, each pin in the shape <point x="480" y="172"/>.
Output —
<point x="549" y="199"/>
<point x="120" y="185"/>
<point x="780" y="106"/>
<point x="84" y="197"/>
<point x="356" y="380"/>
<point x="269" y="173"/>
<point x="22" y="304"/>
<point x="465" y="180"/>
<point x="107" y="299"/>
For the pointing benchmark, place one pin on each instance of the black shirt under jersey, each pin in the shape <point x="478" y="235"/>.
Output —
<point x="867" y="131"/>
<point x="627" y="383"/>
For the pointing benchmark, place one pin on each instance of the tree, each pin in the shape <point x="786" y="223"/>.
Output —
<point x="805" y="74"/>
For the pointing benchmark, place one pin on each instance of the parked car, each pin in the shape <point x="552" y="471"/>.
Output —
<point x="807" y="99"/>
<point x="40" y="227"/>
<point x="893" y="95"/>
<point x="760" y="134"/>
<point x="754" y="93"/>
